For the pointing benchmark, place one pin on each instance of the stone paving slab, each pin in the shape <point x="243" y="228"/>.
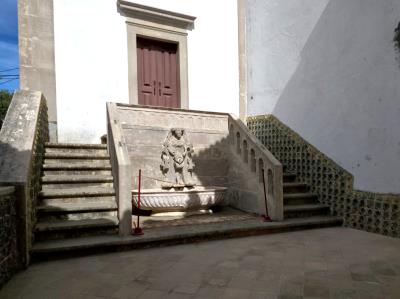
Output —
<point x="321" y="263"/>
<point x="227" y="214"/>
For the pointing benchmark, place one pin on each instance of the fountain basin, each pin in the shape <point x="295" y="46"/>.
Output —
<point x="197" y="198"/>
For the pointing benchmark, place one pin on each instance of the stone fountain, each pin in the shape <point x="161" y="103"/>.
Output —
<point x="178" y="192"/>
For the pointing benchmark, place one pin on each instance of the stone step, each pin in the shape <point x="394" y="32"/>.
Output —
<point x="75" y="145"/>
<point x="73" y="225"/>
<point x="300" y="198"/>
<point x="76" y="215"/>
<point x="75" y="200"/>
<point x="174" y="235"/>
<point x="82" y="151"/>
<point x="82" y="228"/>
<point x="72" y="156"/>
<point x="294" y="187"/>
<point x="76" y="185"/>
<point x="77" y="192"/>
<point x="96" y="162"/>
<point x="289" y="177"/>
<point x="301" y="211"/>
<point x="74" y="181"/>
<point x="71" y="179"/>
<point x="80" y="166"/>
<point x="65" y="208"/>
<point x="56" y="172"/>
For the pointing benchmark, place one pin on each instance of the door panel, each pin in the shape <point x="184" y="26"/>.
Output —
<point x="158" y="74"/>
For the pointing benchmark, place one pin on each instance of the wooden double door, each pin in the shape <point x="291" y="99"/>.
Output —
<point x="158" y="73"/>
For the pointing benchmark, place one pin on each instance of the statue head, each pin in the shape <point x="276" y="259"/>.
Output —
<point x="178" y="132"/>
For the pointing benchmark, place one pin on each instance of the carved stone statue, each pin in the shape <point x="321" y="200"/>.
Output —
<point x="177" y="164"/>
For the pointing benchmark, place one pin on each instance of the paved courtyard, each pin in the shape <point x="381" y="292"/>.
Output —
<point x="323" y="263"/>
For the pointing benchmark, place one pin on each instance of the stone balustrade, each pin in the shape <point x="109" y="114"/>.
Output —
<point x="258" y="161"/>
<point x="22" y="139"/>
<point x="121" y="169"/>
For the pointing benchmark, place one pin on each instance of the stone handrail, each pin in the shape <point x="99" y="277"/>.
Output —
<point x="22" y="140"/>
<point x="252" y="152"/>
<point x="121" y="169"/>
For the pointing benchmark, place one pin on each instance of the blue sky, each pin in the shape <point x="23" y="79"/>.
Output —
<point x="8" y="43"/>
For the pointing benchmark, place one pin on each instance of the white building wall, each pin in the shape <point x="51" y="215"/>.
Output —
<point x="91" y="60"/>
<point x="330" y="70"/>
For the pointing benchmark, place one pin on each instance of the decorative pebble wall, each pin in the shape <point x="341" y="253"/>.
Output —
<point x="379" y="213"/>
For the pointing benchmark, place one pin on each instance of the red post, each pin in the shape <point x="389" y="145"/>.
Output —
<point x="138" y="230"/>
<point x="265" y="217"/>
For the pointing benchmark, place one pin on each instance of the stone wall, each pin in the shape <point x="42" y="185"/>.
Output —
<point x="22" y="138"/>
<point x="8" y="234"/>
<point x="145" y="131"/>
<point x="374" y="212"/>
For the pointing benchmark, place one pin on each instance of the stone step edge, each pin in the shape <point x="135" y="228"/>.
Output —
<point x="75" y="145"/>
<point x="294" y="184"/>
<point x="91" y="245"/>
<point x="71" y="179"/>
<point x="76" y="166"/>
<point x="288" y="174"/>
<point x="64" y="156"/>
<point x="68" y="208"/>
<point x="53" y="226"/>
<point x="304" y="208"/>
<point x="299" y="195"/>
<point x="76" y="192"/>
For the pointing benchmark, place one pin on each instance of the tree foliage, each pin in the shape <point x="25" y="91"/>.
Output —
<point x="5" y="100"/>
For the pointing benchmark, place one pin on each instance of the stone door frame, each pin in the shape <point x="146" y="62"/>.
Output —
<point x="153" y="23"/>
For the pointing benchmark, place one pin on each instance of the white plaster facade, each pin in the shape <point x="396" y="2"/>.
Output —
<point x="92" y="60"/>
<point x="328" y="70"/>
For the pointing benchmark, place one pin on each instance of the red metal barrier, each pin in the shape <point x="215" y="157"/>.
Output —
<point x="137" y="231"/>
<point x="265" y="217"/>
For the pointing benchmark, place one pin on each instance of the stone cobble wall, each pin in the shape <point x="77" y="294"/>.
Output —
<point x="8" y="235"/>
<point x="379" y="213"/>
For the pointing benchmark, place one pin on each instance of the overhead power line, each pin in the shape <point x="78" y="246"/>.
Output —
<point x="8" y="81"/>
<point x="7" y="70"/>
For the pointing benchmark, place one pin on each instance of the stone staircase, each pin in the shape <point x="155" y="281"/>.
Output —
<point x="77" y="210"/>
<point x="78" y="196"/>
<point x="298" y="202"/>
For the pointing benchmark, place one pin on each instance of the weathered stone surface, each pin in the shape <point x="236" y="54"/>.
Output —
<point x="36" y="49"/>
<point x="177" y="159"/>
<point x="8" y="234"/>
<point x="145" y="130"/>
<point x="22" y="138"/>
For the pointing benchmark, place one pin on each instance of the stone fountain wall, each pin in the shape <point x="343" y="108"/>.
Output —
<point x="145" y="130"/>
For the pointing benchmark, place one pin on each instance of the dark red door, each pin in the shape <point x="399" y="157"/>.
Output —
<point x="158" y="74"/>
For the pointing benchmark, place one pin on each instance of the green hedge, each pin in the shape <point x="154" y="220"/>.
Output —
<point x="5" y="100"/>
